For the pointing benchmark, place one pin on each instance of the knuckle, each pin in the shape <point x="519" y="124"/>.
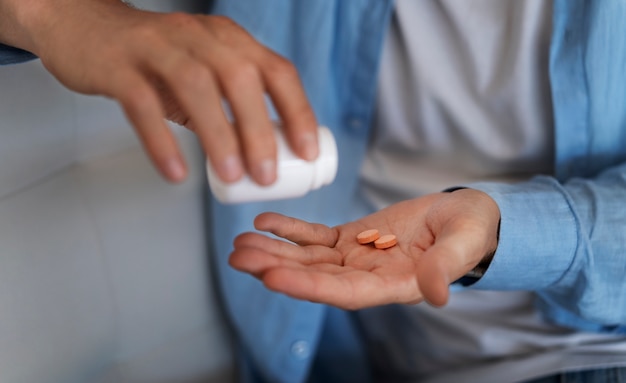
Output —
<point x="153" y="32"/>
<point x="241" y="74"/>
<point x="280" y="67"/>
<point x="224" y="21"/>
<point x="191" y="75"/>
<point x="227" y="31"/>
<point x="181" y="19"/>
<point x="263" y="144"/>
<point x="138" y="99"/>
<point x="147" y="34"/>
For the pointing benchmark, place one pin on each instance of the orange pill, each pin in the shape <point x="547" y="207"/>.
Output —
<point x="367" y="236"/>
<point x="386" y="241"/>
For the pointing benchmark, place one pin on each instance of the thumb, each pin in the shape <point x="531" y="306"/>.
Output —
<point x="433" y="278"/>
<point x="448" y="259"/>
<point x="466" y="226"/>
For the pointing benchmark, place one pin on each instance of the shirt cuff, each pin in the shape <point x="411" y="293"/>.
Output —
<point x="11" y="55"/>
<point x="538" y="236"/>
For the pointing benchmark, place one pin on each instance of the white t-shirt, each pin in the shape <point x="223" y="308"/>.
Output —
<point x="464" y="96"/>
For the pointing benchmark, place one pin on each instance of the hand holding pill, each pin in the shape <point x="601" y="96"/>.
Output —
<point x="429" y="242"/>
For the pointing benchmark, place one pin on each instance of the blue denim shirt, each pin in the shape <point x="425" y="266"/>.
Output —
<point x="11" y="55"/>
<point x="563" y="237"/>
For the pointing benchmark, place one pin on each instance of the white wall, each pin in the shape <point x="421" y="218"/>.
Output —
<point x="103" y="265"/>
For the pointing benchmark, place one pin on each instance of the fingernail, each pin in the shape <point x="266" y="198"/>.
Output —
<point x="231" y="168"/>
<point x="175" y="170"/>
<point x="308" y="146"/>
<point x="265" y="172"/>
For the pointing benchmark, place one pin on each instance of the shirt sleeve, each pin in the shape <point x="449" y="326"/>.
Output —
<point x="11" y="55"/>
<point x="567" y="242"/>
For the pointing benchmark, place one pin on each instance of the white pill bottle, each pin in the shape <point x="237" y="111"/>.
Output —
<point x="295" y="176"/>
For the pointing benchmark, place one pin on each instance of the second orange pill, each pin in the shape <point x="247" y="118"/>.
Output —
<point x="380" y="242"/>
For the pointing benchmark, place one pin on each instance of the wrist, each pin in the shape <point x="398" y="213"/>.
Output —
<point x="20" y="21"/>
<point x="480" y="269"/>
<point x="33" y="24"/>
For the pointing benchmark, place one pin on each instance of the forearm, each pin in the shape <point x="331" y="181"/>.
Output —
<point x="31" y="24"/>
<point x="566" y="242"/>
<point x="20" y="20"/>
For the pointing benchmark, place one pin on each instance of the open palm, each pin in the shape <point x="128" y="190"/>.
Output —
<point x="440" y="237"/>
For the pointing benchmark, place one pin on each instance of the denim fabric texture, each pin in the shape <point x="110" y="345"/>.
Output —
<point x="11" y="55"/>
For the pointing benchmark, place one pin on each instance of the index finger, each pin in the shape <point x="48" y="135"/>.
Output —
<point x="295" y="230"/>
<point x="143" y="109"/>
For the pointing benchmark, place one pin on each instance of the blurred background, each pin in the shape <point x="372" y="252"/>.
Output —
<point x="104" y="275"/>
